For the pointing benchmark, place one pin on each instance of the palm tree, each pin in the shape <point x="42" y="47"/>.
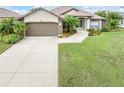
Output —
<point x="20" y="27"/>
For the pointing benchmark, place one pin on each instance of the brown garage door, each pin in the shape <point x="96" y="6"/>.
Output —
<point x="42" y="29"/>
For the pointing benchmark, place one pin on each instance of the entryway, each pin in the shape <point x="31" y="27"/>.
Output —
<point x="82" y="24"/>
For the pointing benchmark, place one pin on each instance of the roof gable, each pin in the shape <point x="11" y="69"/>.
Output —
<point x="38" y="9"/>
<point x="69" y="11"/>
<point x="63" y="10"/>
<point x="41" y="16"/>
<point x="97" y="17"/>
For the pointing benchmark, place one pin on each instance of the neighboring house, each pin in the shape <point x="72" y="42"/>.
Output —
<point x="121" y="23"/>
<point x="87" y="20"/>
<point x="4" y="13"/>
<point x="42" y="22"/>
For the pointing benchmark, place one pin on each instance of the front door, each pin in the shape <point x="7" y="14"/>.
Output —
<point x="82" y="24"/>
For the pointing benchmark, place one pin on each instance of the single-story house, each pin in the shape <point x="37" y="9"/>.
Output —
<point x="4" y="13"/>
<point x="42" y="22"/>
<point x="87" y="19"/>
<point x="121" y="23"/>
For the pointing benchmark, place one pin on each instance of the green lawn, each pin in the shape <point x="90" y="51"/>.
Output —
<point x="98" y="61"/>
<point x="4" y="47"/>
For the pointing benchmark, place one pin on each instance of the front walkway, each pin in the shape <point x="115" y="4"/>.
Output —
<point x="75" y="38"/>
<point x="30" y="63"/>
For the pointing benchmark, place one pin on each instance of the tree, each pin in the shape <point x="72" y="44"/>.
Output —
<point x="7" y="26"/>
<point x="20" y="27"/>
<point x="72" y="22"/>
<point x="112" y="18"/>
<point x="113" y="15"/>
<point x="109" y="15"/>
<point x="101" y="13"/>
<point x="11" y="26"/>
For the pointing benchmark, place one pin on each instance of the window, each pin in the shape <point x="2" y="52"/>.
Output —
<point x="94" y="24"/>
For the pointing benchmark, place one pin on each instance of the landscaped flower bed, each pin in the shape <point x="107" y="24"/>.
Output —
<point x="11" y="31"/>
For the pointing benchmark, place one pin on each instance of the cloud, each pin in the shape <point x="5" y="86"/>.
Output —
<point x="22" y="12"/>
<point x="96" y="8"/>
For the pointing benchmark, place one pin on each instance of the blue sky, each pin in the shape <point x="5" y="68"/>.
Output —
<point x="25" y="9"/>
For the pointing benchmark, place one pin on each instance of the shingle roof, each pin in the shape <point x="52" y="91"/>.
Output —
<point x="8" y="13"/>
<point x="97" y="17"/>
<point x="63" y="9"/>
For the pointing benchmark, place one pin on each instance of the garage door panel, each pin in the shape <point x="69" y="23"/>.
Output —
<point x="42" y="29"/>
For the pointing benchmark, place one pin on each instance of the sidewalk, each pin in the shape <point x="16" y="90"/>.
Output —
<point x="76" y="38"/>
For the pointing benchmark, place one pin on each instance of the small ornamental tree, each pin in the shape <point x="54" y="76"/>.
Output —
<point x="72" y="22"/>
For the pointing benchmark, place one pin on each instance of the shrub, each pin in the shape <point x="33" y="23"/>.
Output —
<point x="20" y="27"/>
<point x="72" y="23"/>
<point x="108" y="28"/>
<point x="105" y="29"/>
<point x="94" y="32"/>
<point x="0" y="37"/>
<point x="11" y="26"/>
<point x="11" y="30"/>
<point x="11" y="38"/>
<point x="7" y="26"/>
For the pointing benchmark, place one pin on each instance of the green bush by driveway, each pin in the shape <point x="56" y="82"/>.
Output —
<point x="11" y="30"/>
<point x="4" y="47"/>
<point x="98" y="61"/>
<point x="11" y="38"/>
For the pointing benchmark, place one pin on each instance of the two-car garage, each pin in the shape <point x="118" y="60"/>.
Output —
<point x="42" y="29"/>
<point x="41" y="22"/>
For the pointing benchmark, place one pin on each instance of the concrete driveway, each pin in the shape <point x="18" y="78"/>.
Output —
<point x="30" y="63"/>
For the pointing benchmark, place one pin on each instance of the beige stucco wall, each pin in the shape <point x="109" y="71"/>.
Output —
<point x="41" y="16"/>
<point x="60" y="27"/>
<point x="70" y="12"/>
<point x="73" y="12"/>
<point x="100" y="24"/>
<point x="88" y="23"/>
